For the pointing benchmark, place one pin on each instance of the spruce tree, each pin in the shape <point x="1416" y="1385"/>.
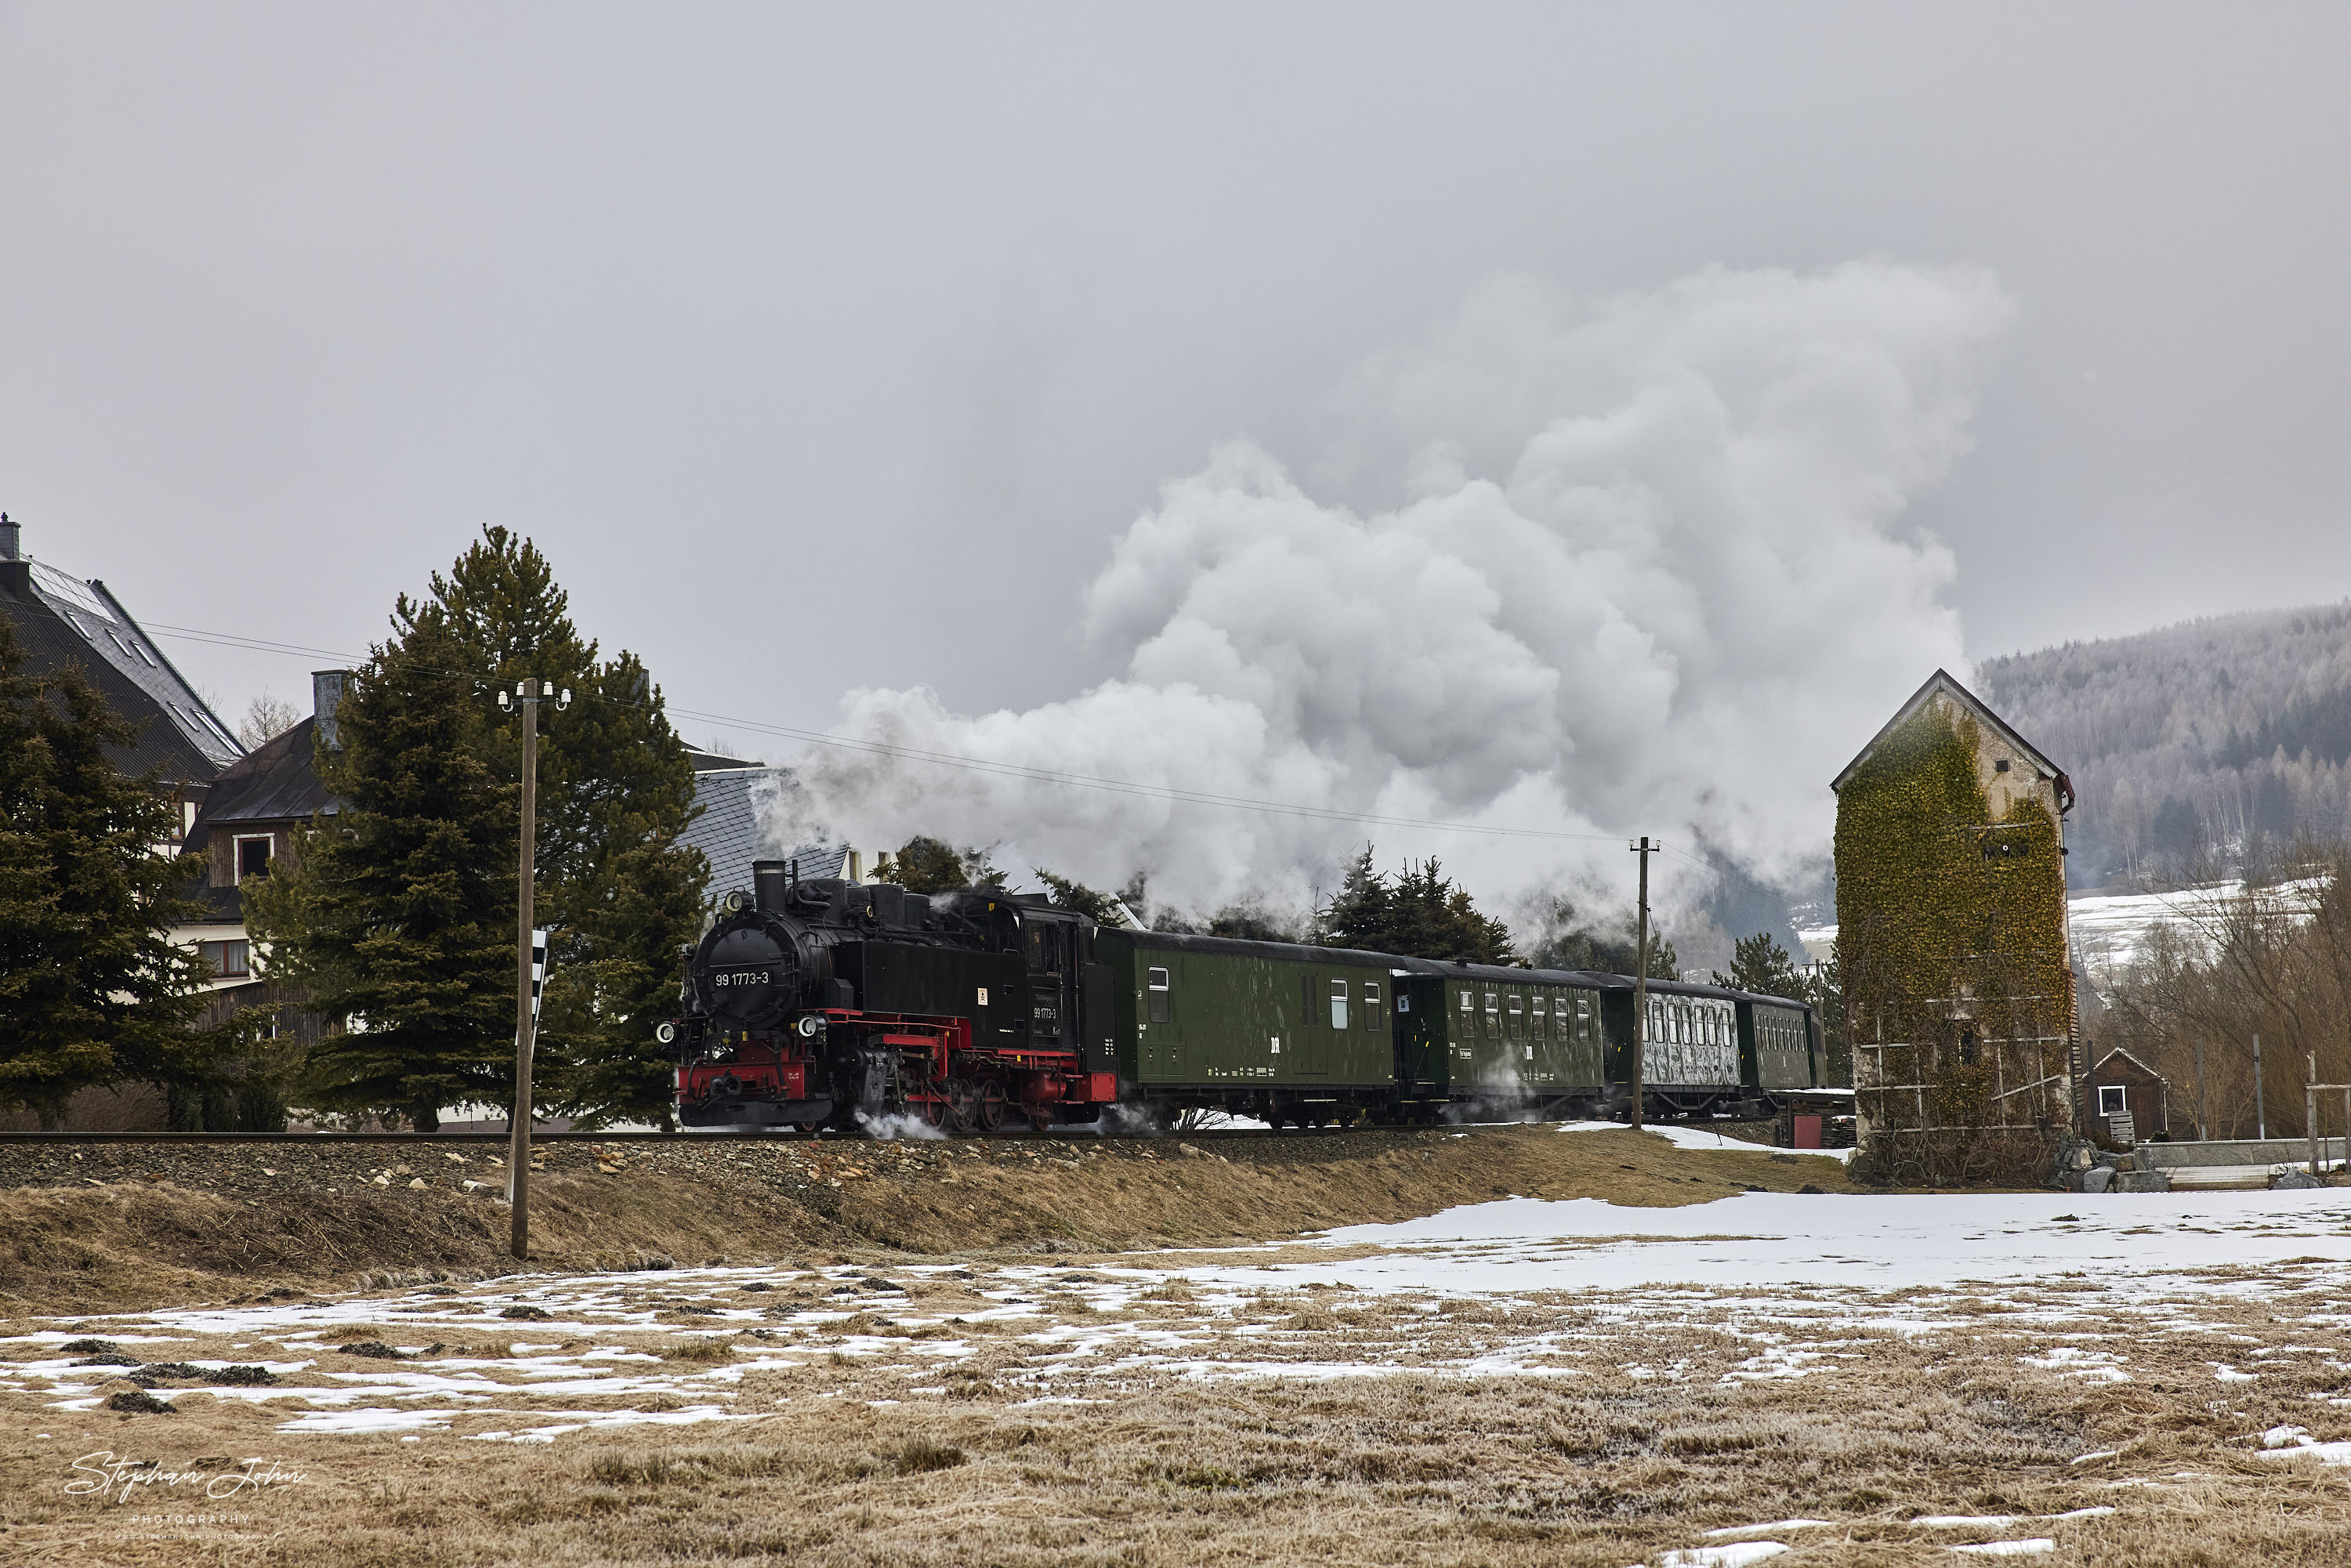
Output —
<point x="617" y="892"/>
<point x="398" y="912"/>
<point x="924" y="864"/>
<point x="92" y="991"/>
<point x="613" y="887"/>
<point x="1758" y="964"/>
<point x="1420" y="914"/>
<point x="1363" y="913"/>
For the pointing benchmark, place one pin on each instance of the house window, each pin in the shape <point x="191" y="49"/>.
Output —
<point x="2000" y="766"/>
<point x="227" y="960"/>
<point x="2112" y="1100"/>
<point x="1371" y="1004"/>
<point x="1338" y="1004"/>
<point x="1967" y="1048"/>
<point x="252" y="857"/>
<point x="1156" y="979"/>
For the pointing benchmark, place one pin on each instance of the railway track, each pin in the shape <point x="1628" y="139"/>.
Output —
<point x="334" y="1140"/>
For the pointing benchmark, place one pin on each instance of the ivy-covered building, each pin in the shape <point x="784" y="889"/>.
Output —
<point x="1951" y="929"/>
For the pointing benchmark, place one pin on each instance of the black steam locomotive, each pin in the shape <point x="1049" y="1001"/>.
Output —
<point x="819" y="1002"/>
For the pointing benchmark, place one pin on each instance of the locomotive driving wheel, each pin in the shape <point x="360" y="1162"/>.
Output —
<point x="962" y="1104"/>
<point x="992" y="1113"/>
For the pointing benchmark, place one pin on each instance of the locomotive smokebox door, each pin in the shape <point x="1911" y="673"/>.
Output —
<point x="1098" y="1020"/>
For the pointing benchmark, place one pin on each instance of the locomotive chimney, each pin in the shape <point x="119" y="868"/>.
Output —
<point x="770" y="880"/>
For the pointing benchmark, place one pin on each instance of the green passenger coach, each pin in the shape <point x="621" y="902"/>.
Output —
<point x="1501" y="1041"/>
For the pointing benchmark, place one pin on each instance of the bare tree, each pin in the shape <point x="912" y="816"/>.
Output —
<point x="265" y="719"/>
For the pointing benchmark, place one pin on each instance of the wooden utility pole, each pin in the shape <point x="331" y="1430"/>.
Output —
<point x="2261" y="1107"/>
<point x="518" y="1119"/>
<point x="2203" y="1096"/>
<point x="527" y="696"/>
<point x="1641" y="984"/>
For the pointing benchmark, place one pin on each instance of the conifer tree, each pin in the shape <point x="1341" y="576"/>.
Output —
<point x="92" y="991"/>
<point x="616" y="890"/>
<point x="1421" y="914"/>
<point x="1758" y="964"/>
<point x="924" y="864"/>
<point x="398" y="912"/>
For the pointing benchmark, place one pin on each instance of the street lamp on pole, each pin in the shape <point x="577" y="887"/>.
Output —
<point x="527" y="695"/>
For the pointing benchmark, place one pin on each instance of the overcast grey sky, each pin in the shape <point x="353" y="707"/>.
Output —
<point x="833" y="346"/>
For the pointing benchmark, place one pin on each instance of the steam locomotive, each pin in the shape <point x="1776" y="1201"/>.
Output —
<point x="823" y="1002"/>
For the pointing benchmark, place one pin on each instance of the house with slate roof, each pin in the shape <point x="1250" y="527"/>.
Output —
<point x="63" y="620"/>
<point x="248" y="827"/>
<point x="728" y="833"/>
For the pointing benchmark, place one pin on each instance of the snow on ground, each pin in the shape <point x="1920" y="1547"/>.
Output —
<point x="1751" y="1290"/>
<point x="1866" y="1241"/>
<point x="1683" y="1136"/>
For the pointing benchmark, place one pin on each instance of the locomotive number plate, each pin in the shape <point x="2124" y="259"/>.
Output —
<point x="724" y="978"/>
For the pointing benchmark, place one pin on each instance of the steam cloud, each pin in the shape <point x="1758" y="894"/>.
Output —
<point x="1628" y="566"/>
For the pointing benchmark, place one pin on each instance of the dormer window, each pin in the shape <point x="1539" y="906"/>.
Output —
<point x="253" y="856"/>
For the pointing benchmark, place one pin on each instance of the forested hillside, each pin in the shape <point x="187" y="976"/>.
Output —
<point x="2191" y="745"/>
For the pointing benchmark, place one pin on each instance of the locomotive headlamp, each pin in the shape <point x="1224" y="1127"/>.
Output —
<point x="808" y="1027"/>
<point x="736" y="902"/>
<point x="665" y="1033"/>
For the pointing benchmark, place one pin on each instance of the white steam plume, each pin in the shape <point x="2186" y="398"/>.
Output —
<point x="1639" y="567"/>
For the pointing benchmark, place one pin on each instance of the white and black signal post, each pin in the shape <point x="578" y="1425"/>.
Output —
<point x="527" y="696"/>
<point x="1641" y="846"/>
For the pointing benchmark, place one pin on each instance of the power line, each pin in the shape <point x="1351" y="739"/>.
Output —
<point x="946" y="760"/>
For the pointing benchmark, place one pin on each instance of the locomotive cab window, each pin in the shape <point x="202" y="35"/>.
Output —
<point x="1044" y="947"/>
<point x="1338" y="1004"/>
<point x="1156" y="982"/>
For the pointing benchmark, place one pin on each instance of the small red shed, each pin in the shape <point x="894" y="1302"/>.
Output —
<point x="2124" y="1100"/>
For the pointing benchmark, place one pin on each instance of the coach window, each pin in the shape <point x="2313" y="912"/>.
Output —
<point x="1469" y="1017"/>
<point x="1371" y="1004"/>
<point x="1156" y="979"/>
<point x="1493" y="1015"/>
<point x="1518" y="1018"/>
<point x="1338" y="1004"/>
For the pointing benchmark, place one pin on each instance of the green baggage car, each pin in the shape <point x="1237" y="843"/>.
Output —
<point x="1303" y="1036"/>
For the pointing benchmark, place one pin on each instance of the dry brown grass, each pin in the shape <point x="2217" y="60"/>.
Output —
<point x="1638" y="1435"/>
<point x="93" y="1248"/>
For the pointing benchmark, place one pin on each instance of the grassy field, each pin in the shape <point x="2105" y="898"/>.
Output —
<point x="1251" y="1401"/>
